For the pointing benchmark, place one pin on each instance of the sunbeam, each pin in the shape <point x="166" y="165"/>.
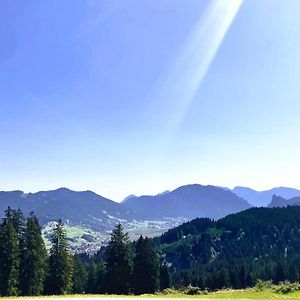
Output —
<point x="194" y="59"/>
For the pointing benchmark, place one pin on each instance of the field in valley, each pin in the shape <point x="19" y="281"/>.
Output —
<point x="88" y="240"/>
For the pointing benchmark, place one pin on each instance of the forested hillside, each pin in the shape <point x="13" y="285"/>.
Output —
<point x="259" y="243"/>
<point x="233" y="252"/>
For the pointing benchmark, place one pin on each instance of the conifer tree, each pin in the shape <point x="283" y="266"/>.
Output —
<point x="92" y="278"/>
<point x="242" y="276"/>
<point x="164" y="277"/>
<point x="118" y="262"/>
<point x="279" y="273"/>
<point x="18" y="221"/>
<point x="79" y="276"/>
<point x="145" y="268"/>
<point x="33" y="263"/>
<point x="233" y="278"/>
<point x="223" y="279"/>
<point x="101" y="278"/>
<point x="60" y="271"/>
<point x="9" y="259"/>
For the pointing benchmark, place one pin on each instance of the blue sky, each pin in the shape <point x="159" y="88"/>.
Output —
<point x="132" y="96"/>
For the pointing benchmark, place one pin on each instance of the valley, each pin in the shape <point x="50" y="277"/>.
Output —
<point x="89" y="218"/>
<point x="86" y="240"/>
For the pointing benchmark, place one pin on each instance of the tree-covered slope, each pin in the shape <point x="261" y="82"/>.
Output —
<point x="259" y="243"/>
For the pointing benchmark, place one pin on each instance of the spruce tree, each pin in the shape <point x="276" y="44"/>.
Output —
<point x="18" y="221"/>
<point x="233" y="278"/>
<point x="9" y="259"/>
<point x="279" y="275"/>
<point x="242" y="276"/>
<point x="92" y="278"/>
<point x="118" y="262"/>
<point x="59" y="279"/>
<point x="79" y="276"/>
<point x="164" y="277"/>
<point x="101" y="278"/>
<point x="33" y="263"/>
<point x="223" y="279"/>
<point x="145" y="268"/>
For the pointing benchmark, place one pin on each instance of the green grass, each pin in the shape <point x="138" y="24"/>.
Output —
<point x="250" y="294"/>
<point x="242" y="295"/>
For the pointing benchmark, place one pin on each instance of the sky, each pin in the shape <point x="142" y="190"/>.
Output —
<point x="138" y="97"/>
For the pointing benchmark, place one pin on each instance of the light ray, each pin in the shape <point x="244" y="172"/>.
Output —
<point x="192" y="64"/>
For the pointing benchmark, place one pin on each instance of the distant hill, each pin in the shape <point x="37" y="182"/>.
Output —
<point x="189" y="201"/>
<point x="278" y="201"/>
<point x="235" y="251"/>
<point x="78" y="208"/>
<point x="263" y="198"/>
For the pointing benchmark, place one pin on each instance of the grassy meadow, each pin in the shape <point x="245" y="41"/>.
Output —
<point x="226" y="294"/>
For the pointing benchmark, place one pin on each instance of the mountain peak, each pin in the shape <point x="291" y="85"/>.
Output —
<point x="62" y="190"/>
<point x="189" y="201"/>
<point x="278" y="201"/>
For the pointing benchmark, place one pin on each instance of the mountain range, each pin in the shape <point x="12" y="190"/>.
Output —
<point x="88" y="209"/>
<point x="263" y="198"/>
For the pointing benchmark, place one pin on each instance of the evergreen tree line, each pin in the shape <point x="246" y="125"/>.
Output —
<point x="27" y="269"/>
<point x="22" y="255"/>
<point x="232" y="252"/>
<point x="124" y="268"/>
